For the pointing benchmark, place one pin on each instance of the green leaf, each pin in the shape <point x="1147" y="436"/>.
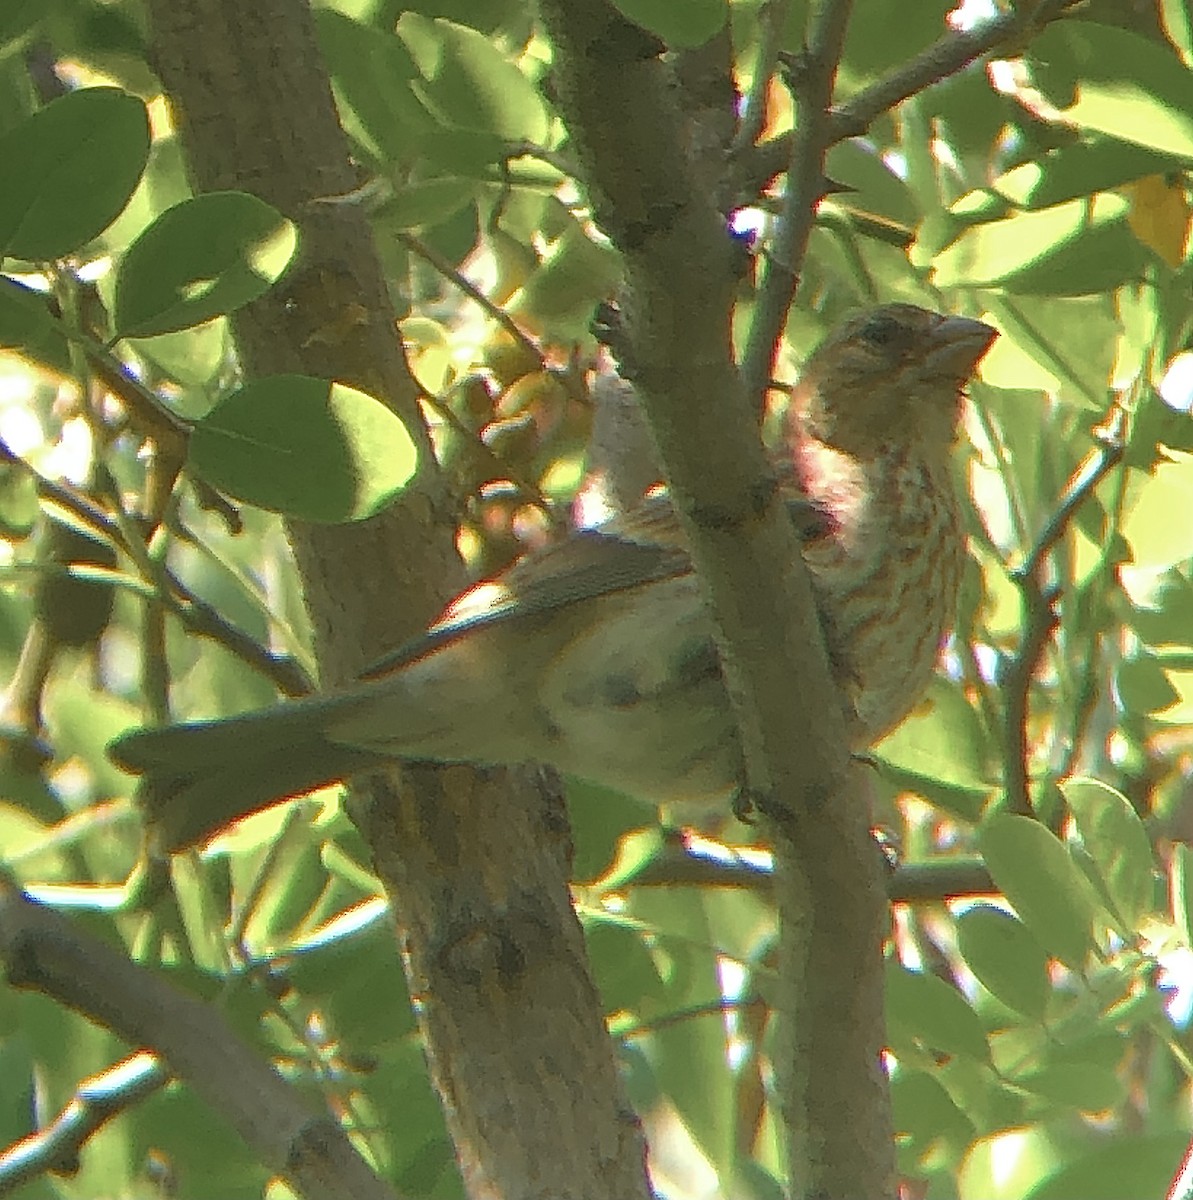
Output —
<point x="1007" y="1164"/>
<point x="1130" y="1165"/>
<point x="18" y="503"/>
<point x="1072" y="249"/>
<point x="1083" y="1086"/>
<point x="426" y="203"/>
<point x="1142" y="686"/>
<point x="1118" y="843"/>
<point x="1156" y="539"/>
<point x="28" y="326"/>
<point x="372" y="72"/>
<point x="927" y="1011"/>
<point x="883" y="33"/>
<point x="1064" y="344"/>
<point x="309" y="448"/>
<point x="688" y="1056"/>
<point x="67" y="171"/>
<point x="1006" y="958"/>
<point x="626" y="974"/>
<point x="17" y="19"/>
<point x="203" y="258"/>
<point x="874" y="187"/>
<point x="925" y="1112"/>
<point x="682" y="24"/>
<point x="939" y="752"/>
<point x="1033" y="870"/>
<point x="1115" y="82"/>
<point x="191" y="357"/>
<point x="558" y="299"/>
<point x="1077" y="171"/>
<point x="1178" y="25"/>
<point x="469" y="83"/>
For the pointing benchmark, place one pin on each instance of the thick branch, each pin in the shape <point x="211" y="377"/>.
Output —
<point x="475" y="864"/>
<point x="680" y="292"/>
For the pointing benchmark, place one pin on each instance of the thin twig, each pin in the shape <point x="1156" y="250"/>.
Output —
<point x="433" y="258"/>
<point x="949" y="54"/>
<point x="289" y="1132"/>
<point x="1039" y="606"/>
<point x="56" y="1147"/>
<point x="284" y="671"/>
<point x="773" y="20"/>
<point x="812" y="86"/>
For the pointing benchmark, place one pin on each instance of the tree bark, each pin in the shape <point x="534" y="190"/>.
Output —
<point x="621" y="104"/>
<point x="474" y="863"/>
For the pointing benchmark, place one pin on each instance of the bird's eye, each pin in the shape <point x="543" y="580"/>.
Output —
<point x="882" y="330"/>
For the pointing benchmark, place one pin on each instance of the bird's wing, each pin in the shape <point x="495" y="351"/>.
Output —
<point x="642" y="546"/>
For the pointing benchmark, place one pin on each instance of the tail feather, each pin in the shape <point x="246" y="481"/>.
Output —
<point x="199" y="777"/>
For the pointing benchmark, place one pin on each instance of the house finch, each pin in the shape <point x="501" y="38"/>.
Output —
<point x="597" y="655"/>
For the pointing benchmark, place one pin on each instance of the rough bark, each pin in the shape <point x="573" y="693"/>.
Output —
<point x="475" y="863"/>
<point x="644" y="183"/>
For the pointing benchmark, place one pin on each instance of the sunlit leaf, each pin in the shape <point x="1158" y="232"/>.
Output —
<point x="67" y="171"/>
<point x="1118" y="843"/>
<point x="1006" y="958"/>
<point x="1033" y="870"/>
<point x="203" y="258"/>
<point x="1117" y="82"/>
<point x="309" y="448"/>
<point x="468" y="83"/>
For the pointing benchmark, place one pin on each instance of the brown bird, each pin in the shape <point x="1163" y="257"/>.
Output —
<point x="597" y="655"/>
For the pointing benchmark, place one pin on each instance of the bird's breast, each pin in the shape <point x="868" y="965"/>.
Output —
<point x="886" y="583"/>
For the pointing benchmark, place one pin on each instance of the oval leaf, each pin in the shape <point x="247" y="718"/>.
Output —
<point x="28" y="325"/>
<point x="469" y="83"/>
<point x="1005" y="957"/>
<point x="1076" y="171"/>
<point x="308" y="448"/>
<point x="1117" y="842"/>
<point x="1116" y="82"/>
<point x="1072" y="249"/>
<point x="71" y="168"/>
<point x="203" y="258"/>
<point x="1084" y="1086"/>
<point x="371" y="71"/>
<point x="1142" y="687"/>
<point x="1034" y="871"/>
<point x="932" y="1014"/>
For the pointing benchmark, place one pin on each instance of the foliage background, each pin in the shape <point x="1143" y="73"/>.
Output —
<point x="1042" y="1047"/>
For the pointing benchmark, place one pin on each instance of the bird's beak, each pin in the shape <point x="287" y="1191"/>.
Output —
<point x="957" y="345"/>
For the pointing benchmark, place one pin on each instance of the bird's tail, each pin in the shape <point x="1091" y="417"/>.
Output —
<point x="199" y="777"/>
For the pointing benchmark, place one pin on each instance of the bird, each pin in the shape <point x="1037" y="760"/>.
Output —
<point x="597" y="654"/>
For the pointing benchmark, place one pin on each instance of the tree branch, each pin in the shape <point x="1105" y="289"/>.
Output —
<point x="56" y="1147"/>
<point x="44" y="952"/>
<point x="680" y="290"/>
<point x="1039" y="607"/>
<point x="949" y="54"/>
<point x="474" y="863"/>
<point x="811" y="78"/>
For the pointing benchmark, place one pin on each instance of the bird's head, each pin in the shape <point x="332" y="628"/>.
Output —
<point x="890" y="376"/>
